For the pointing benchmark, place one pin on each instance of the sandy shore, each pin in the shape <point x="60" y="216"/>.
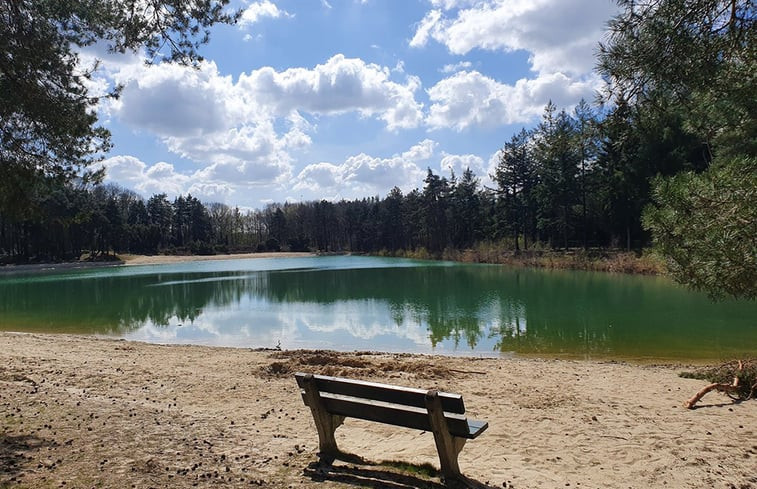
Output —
<point x="127" y="259"/>
<point x="161" y="259"/>
<point x="86" y="412"/>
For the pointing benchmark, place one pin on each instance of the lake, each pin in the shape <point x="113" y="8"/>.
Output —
<point x="367" y="303"/>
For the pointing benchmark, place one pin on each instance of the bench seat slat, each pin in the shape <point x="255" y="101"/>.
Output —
<point x="397" y="415"/>
<point x="451" y="403"/>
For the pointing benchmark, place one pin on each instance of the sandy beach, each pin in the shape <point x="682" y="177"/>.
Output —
<point x="127" y="259"/>
<point x="161" y="259"/>
<point x="88" y="412"/>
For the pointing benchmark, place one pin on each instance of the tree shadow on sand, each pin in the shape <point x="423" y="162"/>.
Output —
<point x="730" y="403"/>
<point x="14" y="452"/>
<point x="385" y="475"/>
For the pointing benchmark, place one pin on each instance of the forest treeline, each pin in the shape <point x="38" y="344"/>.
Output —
<point x="668" y="155"/>
<point x="578" y="179"/>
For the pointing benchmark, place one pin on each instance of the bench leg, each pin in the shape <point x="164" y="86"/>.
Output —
<point x="325" y="423"/>
<point x="447" y="446"/>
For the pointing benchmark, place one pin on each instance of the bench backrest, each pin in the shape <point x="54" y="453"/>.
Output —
<point x="407" y="396"/>
<point x="400" y="406"/>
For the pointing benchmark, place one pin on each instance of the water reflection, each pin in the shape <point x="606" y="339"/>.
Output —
<point x="379" y="305"/>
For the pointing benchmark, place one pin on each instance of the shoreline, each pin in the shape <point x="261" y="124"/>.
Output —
<point x="607" y="261"/>
<point x="133" y="260"/>
<point x="674" y="362"/>
<point x="89" y="411"/>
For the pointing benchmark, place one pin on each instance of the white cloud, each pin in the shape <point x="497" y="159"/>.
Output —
<point x="471" y="99"/>
<point x="250" y="154"/>
<point x="452" y="68"/>
<point x="371" y="176"/>
<point x="205" y="117"/>
<point x="492" y="168"/>
<point x="460" y="163"/>
<point x="162" y="177"/>
<point x="259" y="10"/>
<point x="210" y="192"/>
<point x="320" y="176"/>
<point x="560" y="35"/>
<point x="147" y="180"/>
<point x="425" y="28"/>
<point x="244" y="132"/>
<point x="338" y="86"/>
<point x="421" y="151"/>
<point x="172" y="100"/>
<point x="362" y="174"/>
<point x="450" y="4"/>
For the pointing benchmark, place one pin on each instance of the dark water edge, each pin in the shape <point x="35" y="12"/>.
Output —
<point x="54" y="268"/>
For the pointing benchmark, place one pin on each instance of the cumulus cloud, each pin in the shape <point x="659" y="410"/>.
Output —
<point x="425" y="28"/>
<point x="470" y="98"/>
<point x="162" y="177"/>
<point x="338" y="86"/>
<point x="172" y="100"/>
<point x="362" y="174"/>
<point x="459" y="163"/>
<point x="147" y="180"/>
<point x="560" y="35"/>
<point x="450" y="4"/>
<point x="491" y="167"/>
<point x="421" y="151"/>
<point x="245" y="131"/>
<point x="452" y="68"/>
<point x="259" y="10"/>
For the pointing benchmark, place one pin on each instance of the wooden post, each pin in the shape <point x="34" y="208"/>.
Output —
<point x="325" y="423"/>
<point x="447" y="446"/>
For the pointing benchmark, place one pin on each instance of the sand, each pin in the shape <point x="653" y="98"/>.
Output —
<point x="88" y="412"/>
<point x="128" y="259"/>
<point x="164" y="259"/>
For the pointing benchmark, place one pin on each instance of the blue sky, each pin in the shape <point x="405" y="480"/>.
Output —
<point x="317" y="99"/>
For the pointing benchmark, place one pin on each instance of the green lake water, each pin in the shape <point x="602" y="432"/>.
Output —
<point x="364" y="303"/>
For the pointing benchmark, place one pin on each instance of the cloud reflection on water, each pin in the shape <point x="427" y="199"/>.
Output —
<point x="362" y="303"/>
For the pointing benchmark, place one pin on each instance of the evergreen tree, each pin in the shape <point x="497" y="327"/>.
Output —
<point x="704" y="76"/>
<point x="517" y="179"/>
<point x="48" y="121"/>
<point x="434" y="211"/>
<point x="465" y="211"/>
<point x="587" y="139"/>
<point x="393" y="234"/>
<point x="557" y="162"/>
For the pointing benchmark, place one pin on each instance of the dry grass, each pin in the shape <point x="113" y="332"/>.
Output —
<point x="598" y="260"/>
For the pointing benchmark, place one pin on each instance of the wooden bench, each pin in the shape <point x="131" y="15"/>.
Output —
<point x="331" y="399"/>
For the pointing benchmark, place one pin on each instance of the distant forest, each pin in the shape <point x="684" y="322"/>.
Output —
<point x="576" y="180"/>
<point x="667" y="155"/>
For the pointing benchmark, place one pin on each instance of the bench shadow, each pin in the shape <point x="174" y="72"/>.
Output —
<point x="380" y="475"/>
<point x="14" y="451"/>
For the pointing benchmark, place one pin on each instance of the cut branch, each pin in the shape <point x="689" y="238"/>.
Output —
<point x="727" y="388"/>
<point x="733" y="388"/>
